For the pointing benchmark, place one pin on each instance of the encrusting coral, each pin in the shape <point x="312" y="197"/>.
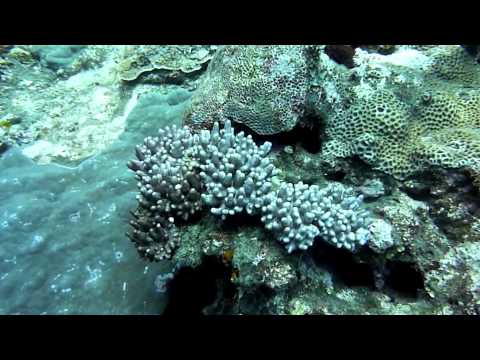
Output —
<point x="262" y="87"/>
<point x="143" y="59"/>
<point x="390" y="110"/>
<point x="454" y="63"/>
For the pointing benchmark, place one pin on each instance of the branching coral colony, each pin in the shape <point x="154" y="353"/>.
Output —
<point x="179" y="173"/>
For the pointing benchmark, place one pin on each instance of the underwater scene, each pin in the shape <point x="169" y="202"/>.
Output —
<point x="240" y="179"/>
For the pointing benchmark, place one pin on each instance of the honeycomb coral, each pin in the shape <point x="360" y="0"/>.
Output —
<point x="442" y="110"/>
<point x="451" y="148"/>
<point x="443" y="130"/>
<point x="449" y="131"/>
<point x="263" y="87"/>
<point x="381" y="115"/>
<point x="452" y="62"/>
<point x="369" y="129"/>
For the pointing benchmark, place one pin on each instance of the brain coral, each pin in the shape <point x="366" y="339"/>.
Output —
<point x="263" y="87"/>
<point x="442" y="130"/>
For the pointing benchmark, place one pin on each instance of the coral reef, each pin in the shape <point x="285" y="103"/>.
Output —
<point x="230" y="174"/>
<point x="314" y="179"/>
<point x="64" y="118"/>
<point x="457" y="280"/>
<point x="442" y="132"/>
<point x="153" y="235"/>
<point x="21" y="55"/>
<point x="454" y="63"/>
<point x="65" y="60"/>
<point x="391" y="111"/>
<point x="63" y="246"/>
<point x="57" y="56"/>
<point x="453" y="199"/>
<point x="167" y="179"/>
<point x="72" y="108"/>
<point x="379" y="110"/>
<point x="370" y="129"/>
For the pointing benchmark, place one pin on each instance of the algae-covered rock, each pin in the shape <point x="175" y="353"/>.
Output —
<point x="457" y="279"/>
<point x="171" y="62"/>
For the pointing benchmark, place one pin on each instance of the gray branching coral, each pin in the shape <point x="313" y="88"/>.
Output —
<point x="298" y="213"/>
<point x="236" y="172"/>
<point x="169" y="188"/>
<point x="168" y="182"/>
<point x="154" y="236"/>
<point x="290" y="213"/>
<point x="180" y="172"/>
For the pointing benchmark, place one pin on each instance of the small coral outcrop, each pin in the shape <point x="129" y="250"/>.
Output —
<point x="180" y="172"/>
<point x="141" y="60"/>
